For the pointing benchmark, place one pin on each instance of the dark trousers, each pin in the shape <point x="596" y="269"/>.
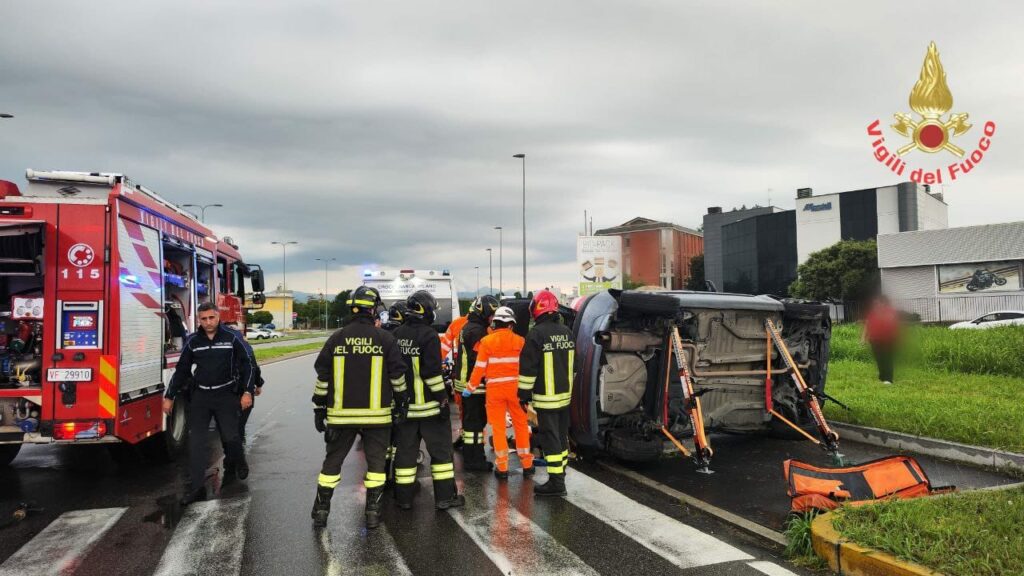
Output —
<point x="474" y="420"/>
<point x="884" y="353"/>
<point x="223" y="406"/>
<point x="243" y="419"/>
<point x="552" y="436"/>
<point x="437" y="435"/>
<point x="339" y="442"/>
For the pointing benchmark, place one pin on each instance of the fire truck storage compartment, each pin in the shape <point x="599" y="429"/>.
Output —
<point x="204" y="276"/>
<point x="21" y="304"/>
<point x="179" y="292"/>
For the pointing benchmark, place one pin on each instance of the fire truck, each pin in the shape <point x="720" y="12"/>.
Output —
<point x="100" y="279"/>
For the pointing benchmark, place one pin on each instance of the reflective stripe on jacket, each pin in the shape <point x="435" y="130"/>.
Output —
<point x="497" y="361"/>
<point x="420" y="347"/>
<point x="472" y="333"/>
<point x="358" y="370"/>
<point x="547" y="362"/>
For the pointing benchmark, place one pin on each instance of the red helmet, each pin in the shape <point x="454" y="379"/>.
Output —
<point x="544" y="302"/>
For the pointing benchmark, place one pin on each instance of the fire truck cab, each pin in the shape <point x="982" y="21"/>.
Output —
<point x="100" y="279"/>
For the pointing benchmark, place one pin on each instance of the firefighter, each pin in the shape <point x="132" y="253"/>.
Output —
<point x="221" y="387"/>
<point x="359" y="372"/>
<point x="474" y="411"/>
<point x="545" y="378"/>
<point x="429" y="416"/>
<point x="396" y="316"/>
<point x="497" y="361"/>
<point x="450" y="342"/>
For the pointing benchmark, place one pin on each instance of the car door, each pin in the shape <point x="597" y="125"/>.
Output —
<point x="985" y="321"/>
<point x="1010" y="318"/>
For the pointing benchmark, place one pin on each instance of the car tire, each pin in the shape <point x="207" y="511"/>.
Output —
<point x="648" y="303"/>
<point x="8" y="452"/>
<point x="170" y="444"/>
<point x="625" y="446"/>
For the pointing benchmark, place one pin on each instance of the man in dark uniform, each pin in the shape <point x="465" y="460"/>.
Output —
<point x="396" y="317"/>
<point x="546" y="366"/>
<point x="429" y="416"/>
<point x="474" y="418"/>
<point x="222" y="386"/>
<point x="359" y="372"/>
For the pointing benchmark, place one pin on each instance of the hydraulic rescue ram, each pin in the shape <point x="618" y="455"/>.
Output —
<point x="830" y="439"/>
<point x="691" y="404"/>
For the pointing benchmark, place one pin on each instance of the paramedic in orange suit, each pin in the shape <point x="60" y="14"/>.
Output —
<point x="497" y="362"/>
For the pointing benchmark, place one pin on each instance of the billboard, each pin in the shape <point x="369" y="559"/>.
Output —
<point x="979" y="277"/>
<point x="599" y="263"/>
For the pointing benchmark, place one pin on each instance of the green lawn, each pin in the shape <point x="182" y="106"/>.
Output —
<point x="960" y="385"/>
<point x="268" y="353"/>
<point x="968" y="534"/>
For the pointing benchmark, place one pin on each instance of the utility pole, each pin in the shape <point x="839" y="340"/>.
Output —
<point x="490" y="274"/>
<point x="284" y="279"/>
<point x="500" y="262"/>
<point x="523" y="157"/>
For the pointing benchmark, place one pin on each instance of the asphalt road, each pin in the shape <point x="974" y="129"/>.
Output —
<point x="276" y="343"/>
<point x="102" y="518"/>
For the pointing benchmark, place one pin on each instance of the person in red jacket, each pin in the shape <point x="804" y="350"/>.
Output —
<point x="882" y="333"/>
<point x="497" y="363"/>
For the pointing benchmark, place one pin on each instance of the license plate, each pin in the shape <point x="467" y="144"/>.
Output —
<point x="69" y="374"/>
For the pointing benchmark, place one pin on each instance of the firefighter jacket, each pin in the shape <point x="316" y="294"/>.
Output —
<point x="474" y="331"/>
<point x="225" y="360"/>
<point x="420" y="348"/>
<point x="546" y="364"/>
<point x="497" y="360"/>
<point x="359" y="370"/>
<point x="450" y="338"/>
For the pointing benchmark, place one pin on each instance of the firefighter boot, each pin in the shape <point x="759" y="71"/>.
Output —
<point x="474" y="460"/>
<point x="322" y="506"/>
<point x="555" y="486"/>
<point x="373" y="496"/>
<point x="446" y="495"/>
<point x="191" y="496"/>
<point x="404" y="495"/>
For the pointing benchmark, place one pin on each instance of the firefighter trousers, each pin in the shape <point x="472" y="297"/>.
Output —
<point x="224" y="406"/>
<point x="502" y="399"/>
<point x="474" y="420"/>
<point x="552" y="434"/>
<point x="339" y="442"/>
<point x="437" y="435"/>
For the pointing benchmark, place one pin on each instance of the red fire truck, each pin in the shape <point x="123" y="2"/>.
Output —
<point x="100" y="279"/>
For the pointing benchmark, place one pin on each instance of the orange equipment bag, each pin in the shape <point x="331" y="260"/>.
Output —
<point x="814" y="488"/>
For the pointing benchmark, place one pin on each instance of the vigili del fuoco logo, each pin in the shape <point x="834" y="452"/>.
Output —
<point x="931" y="129"/>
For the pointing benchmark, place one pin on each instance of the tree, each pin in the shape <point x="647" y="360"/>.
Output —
<point x="846" y="271"/>
<point x="696" y="279"/>
<point x="258" y="317"/>
<point x="629" y="284"/>
<point x="338" y="307"/>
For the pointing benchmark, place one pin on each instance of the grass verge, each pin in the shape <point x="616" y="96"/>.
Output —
<point x="967" y="534"/>
<point x="269" y="353"/>
<point x="798" y="547"/>
<point x="981" y="410"/>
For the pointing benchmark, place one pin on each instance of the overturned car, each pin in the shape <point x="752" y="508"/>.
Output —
<point x="631" y="393"/>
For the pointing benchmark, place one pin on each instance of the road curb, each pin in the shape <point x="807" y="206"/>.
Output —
<point x="851" y="559"/>
<point x="954" y="451"/>
<point x="752" y="528"/>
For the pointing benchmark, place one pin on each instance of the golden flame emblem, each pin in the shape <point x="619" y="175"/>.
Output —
<point x="931" y="99"/>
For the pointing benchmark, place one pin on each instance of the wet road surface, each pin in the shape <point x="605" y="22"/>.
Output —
<point x="99" y="517"/>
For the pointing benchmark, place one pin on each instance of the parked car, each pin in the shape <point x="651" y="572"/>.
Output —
<point x="992" y="320"/>
<point x="255" y="334"/>
<point x="626" y="389"/>
<point x="270" y="333"/>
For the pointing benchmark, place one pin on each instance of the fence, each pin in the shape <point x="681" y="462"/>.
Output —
<point x="958" y="308"/>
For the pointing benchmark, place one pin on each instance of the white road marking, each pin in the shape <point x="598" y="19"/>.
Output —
<point x="60" y="548"/>
<point x="513" y="542"/>
<point x="680" y="544"/>
<point x="349" y="548"/>
<point x="208" y="540"/>
<point x="770" y="569"/>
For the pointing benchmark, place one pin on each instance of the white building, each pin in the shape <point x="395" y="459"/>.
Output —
<point x="954" y="274"/>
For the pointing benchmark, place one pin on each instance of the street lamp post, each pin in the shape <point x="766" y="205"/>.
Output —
<point x="6" y="115"/>
<point x="477" y="281"/>
<point x="202" y="209"/>
<point x="326" y="262"/>
<point x="284" y="279"/>
<point x="490" y="271"/>
<point x="523" y="157"/>
<point x="501" y="260"/>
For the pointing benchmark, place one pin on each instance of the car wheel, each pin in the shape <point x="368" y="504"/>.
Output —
<point x="648" y="303"/>
<point x="168" y="445"/>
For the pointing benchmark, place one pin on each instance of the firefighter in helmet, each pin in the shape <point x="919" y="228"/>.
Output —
<point x="497" y="360"/>
<point x="474" y="411"/>
<point x="429" y="418"/>
<point x="546" y="367"/>
<point x="360" y="390"/>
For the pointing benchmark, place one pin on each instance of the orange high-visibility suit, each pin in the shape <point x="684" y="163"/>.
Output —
<point x="451" y="342"/>
<point x="497" y="361"/>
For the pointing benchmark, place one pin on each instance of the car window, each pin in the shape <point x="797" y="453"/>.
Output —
<point x="1010" y="315"/>
<point x="986" y="318"/>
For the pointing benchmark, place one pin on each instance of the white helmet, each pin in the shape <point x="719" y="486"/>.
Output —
<point x="504" y="314"/>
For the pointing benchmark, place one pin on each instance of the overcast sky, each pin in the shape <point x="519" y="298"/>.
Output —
<point x="382" y="133"/>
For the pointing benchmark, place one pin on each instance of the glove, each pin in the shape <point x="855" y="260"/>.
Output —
<point x="466" y="393"/>
<point x="319" y="419"/>
<point x="446" y="412"/>
<point x="400" y="409"/>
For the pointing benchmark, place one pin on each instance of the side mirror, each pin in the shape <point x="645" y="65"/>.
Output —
<point x="259" y="299"/>
<point x="257" y="281"/>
